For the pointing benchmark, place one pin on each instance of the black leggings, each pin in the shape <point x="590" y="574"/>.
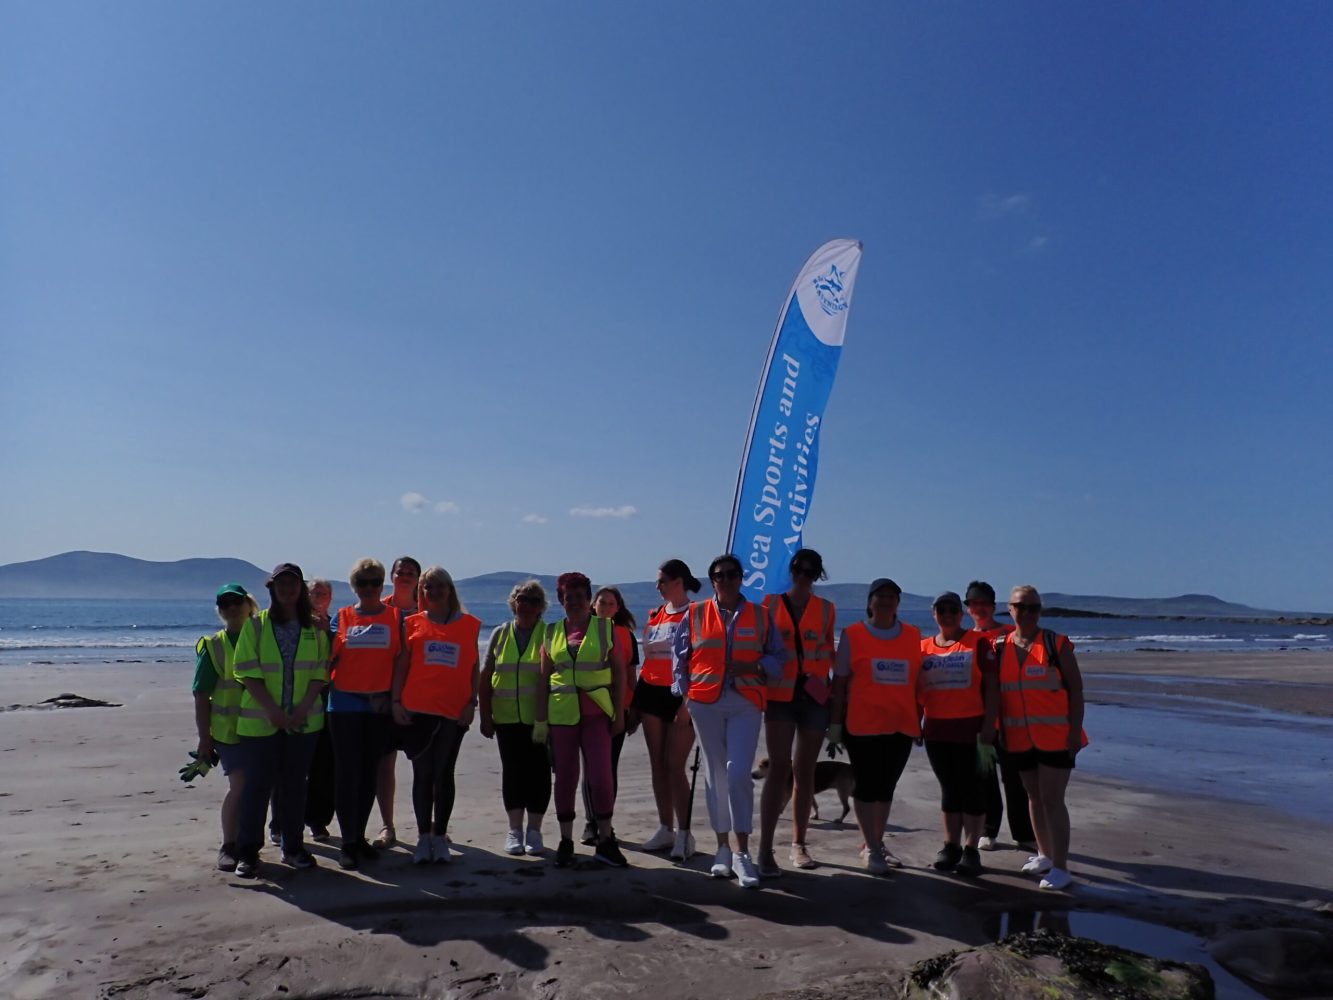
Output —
<point x="359" y="740"/>
<point x="525" y="769"/>
<point x="962" y="790"/>
<point x="433" y="770"/>
<point x="877" y="764"/>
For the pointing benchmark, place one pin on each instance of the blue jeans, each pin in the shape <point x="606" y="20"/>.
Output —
<point x="280" y="761"/>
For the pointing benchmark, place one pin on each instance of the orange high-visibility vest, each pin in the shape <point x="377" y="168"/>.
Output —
<point x="662" y="626"/>
<point x="708" y="651"/>
<point x="1034" y="705"/>
<point x="884" y="695"/>
<point x="951" y="678"/>
<point x="816" y="643"/>
<point x="366" y="648"/>
<point x="443" y="662"/>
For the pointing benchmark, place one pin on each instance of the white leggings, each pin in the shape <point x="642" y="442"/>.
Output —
<point x="728" y="737"/>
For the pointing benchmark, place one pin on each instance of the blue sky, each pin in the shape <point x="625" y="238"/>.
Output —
<point x="267" y="270"/>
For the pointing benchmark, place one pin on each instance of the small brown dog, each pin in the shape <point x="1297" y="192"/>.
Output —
<point x="828" y="774"/>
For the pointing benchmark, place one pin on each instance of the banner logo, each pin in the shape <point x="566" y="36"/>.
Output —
<point x="831" y="291"/>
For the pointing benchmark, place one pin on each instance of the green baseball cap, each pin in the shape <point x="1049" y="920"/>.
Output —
<point x="231" y="588"/>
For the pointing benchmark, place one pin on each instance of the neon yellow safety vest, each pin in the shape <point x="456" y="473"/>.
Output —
<point x="225" y="698"/>
<point x="514" y="679"/>
<point x="589" y="672"/>
<point x="262" y="660"/>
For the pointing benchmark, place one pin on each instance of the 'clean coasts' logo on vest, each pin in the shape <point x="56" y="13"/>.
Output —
<point x="831" y="291"/>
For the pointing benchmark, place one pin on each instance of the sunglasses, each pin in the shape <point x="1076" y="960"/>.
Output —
<point x="948" y="609"/>
<point x="726" y="574"/>
<point x="1018" y="606"/>
<point x="808" y="571"/>
<point x="527" y="599"/>
<point x="368" y="582"/>
<point x="230" y="602"/>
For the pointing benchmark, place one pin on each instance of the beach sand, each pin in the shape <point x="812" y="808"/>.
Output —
<point x="109" y="889"/>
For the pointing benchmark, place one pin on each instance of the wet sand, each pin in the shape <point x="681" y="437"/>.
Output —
<point x="110" y="891"/>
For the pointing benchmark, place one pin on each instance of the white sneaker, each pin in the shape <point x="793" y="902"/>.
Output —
<point x="422" y="855"/>
<point x="745" y="870"/>
<point x="890" y="858"/>
<point x="439" y="845"/>
<point x="721" y="863"/>
<point x="986" y="844"/>
<point x="683" y="849"/>
<point x="534" y="842"/>
<point x="1038" y="864"/>
<point x="875" y="862"/>
<point x="1057" y="878"/>
<point x="514" y="842"/>
<point x="661" y="840"/>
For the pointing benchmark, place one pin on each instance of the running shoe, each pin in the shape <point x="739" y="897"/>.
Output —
<point x="347" y="859"/>
<point x="1038" y="864"/>
<point x="275" y="836"/>
<point x="948" y="858"/>
<point x="743" y="868"/>
<point x="890" y="858"/>
<point x="608" y="853"/>
<point x="721" y="862"/>
<point x="387" y="837"/>
<point x="564" y="854"/>
<point x="661" y="840"/>
<point x="514" y="842"/>
<point x="248" y="866"/>
<point x="439" y="848"/>
<point x="970" y="864"/>
<point x="768" y="865"/>
<point x="227" y="858"/>
<point x="300" y="859"/>
<point x="422" y="855"/>
<point x="590" y="835"/>
<point x="683" y="848"/>
<point x="987" y="844"/>
<point x="874" y="861"/>
<point x="319" y="834"/>
<point x="534" y="843"/>
<point x="1057" y="878"/>
<point x="800" y="857"/>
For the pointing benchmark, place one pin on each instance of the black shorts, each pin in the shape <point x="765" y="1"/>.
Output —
<point x="1027" y="760"/>
<point x="877" y="764"/>
<point x="803" y="711"/>
<point x="655" y="699"/>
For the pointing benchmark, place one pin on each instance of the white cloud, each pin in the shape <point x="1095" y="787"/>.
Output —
<point x="1037" y="244"/>
<point x="997" y="206"/>
<point x="413" y="502"/>
<point x="533" y="519"/>
<point x="446" y="507"/>
<point x="620" y="512"/>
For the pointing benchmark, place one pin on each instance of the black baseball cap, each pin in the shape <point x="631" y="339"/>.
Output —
<point x="283" y="568"/>
<point x="948" y="597"/>
<point x="881" y="584"/>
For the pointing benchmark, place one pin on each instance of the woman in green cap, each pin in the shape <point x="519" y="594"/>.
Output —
<point x="217" y="700"/>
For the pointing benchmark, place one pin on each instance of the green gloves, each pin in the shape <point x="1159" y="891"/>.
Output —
<point x="541" y="732"/>
<point x="987" y="755"/>
<point x="195" y="769"/>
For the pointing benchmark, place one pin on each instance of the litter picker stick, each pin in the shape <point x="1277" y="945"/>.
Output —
<point x="694" y="776"/>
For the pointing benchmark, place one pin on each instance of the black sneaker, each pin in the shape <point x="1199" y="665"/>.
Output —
<point x="275" y="836"/>
<point x="319" y="834"/>
<point x="970" y="865"/>
<point x="347" y="859"/>
<point x="227" y="858"/>
<point x="248" y="866"/>
<point x="948" y="858"/>
<point x="564" y="854"/>
<point x="590" y="835"/>
<point x="608" y="853"/>
<point x="301" y="859"/>
<point x="367" y="853"/>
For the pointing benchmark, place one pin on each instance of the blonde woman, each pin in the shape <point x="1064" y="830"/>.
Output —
<point x="508" y="692"/>
<point x="435" y="696"/>
<point x="217" y="702"/>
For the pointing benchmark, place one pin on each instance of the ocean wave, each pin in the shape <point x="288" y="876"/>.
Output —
<point x="93" y="643"/>
<point x="1187" y="638"/>
<point x="1310" y="638"/>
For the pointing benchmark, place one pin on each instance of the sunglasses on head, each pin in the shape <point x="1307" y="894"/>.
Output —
<point x="726" y="574"/>
<point x="1020" y="606"/>
<point x="230" y="602"/>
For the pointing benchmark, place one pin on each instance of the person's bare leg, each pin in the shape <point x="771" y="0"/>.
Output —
<point x="656" y="737"/>
<point x="778" y="736"/>
<point x="808" y="744"/>
<point x="680" y="743"/>
<point x="386" y="782"/>
<point x="1053" y="781"/>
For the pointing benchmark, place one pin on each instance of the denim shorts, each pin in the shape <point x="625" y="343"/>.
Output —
<point x="231" y="757"/>
<point x="803" y="710"/>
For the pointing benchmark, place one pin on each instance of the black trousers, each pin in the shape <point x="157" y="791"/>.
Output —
<point x="433" y="771"/>
<point x="359" y="740"/>
<point x="1020" y="819"/>
<point x="525" y="769"/>
<point x="320" y="792"/>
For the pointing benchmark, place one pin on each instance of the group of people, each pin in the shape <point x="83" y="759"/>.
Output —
<point x="559" y="697"/>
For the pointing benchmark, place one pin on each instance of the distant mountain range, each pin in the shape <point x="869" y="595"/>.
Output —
<point x="106" y="574"/>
